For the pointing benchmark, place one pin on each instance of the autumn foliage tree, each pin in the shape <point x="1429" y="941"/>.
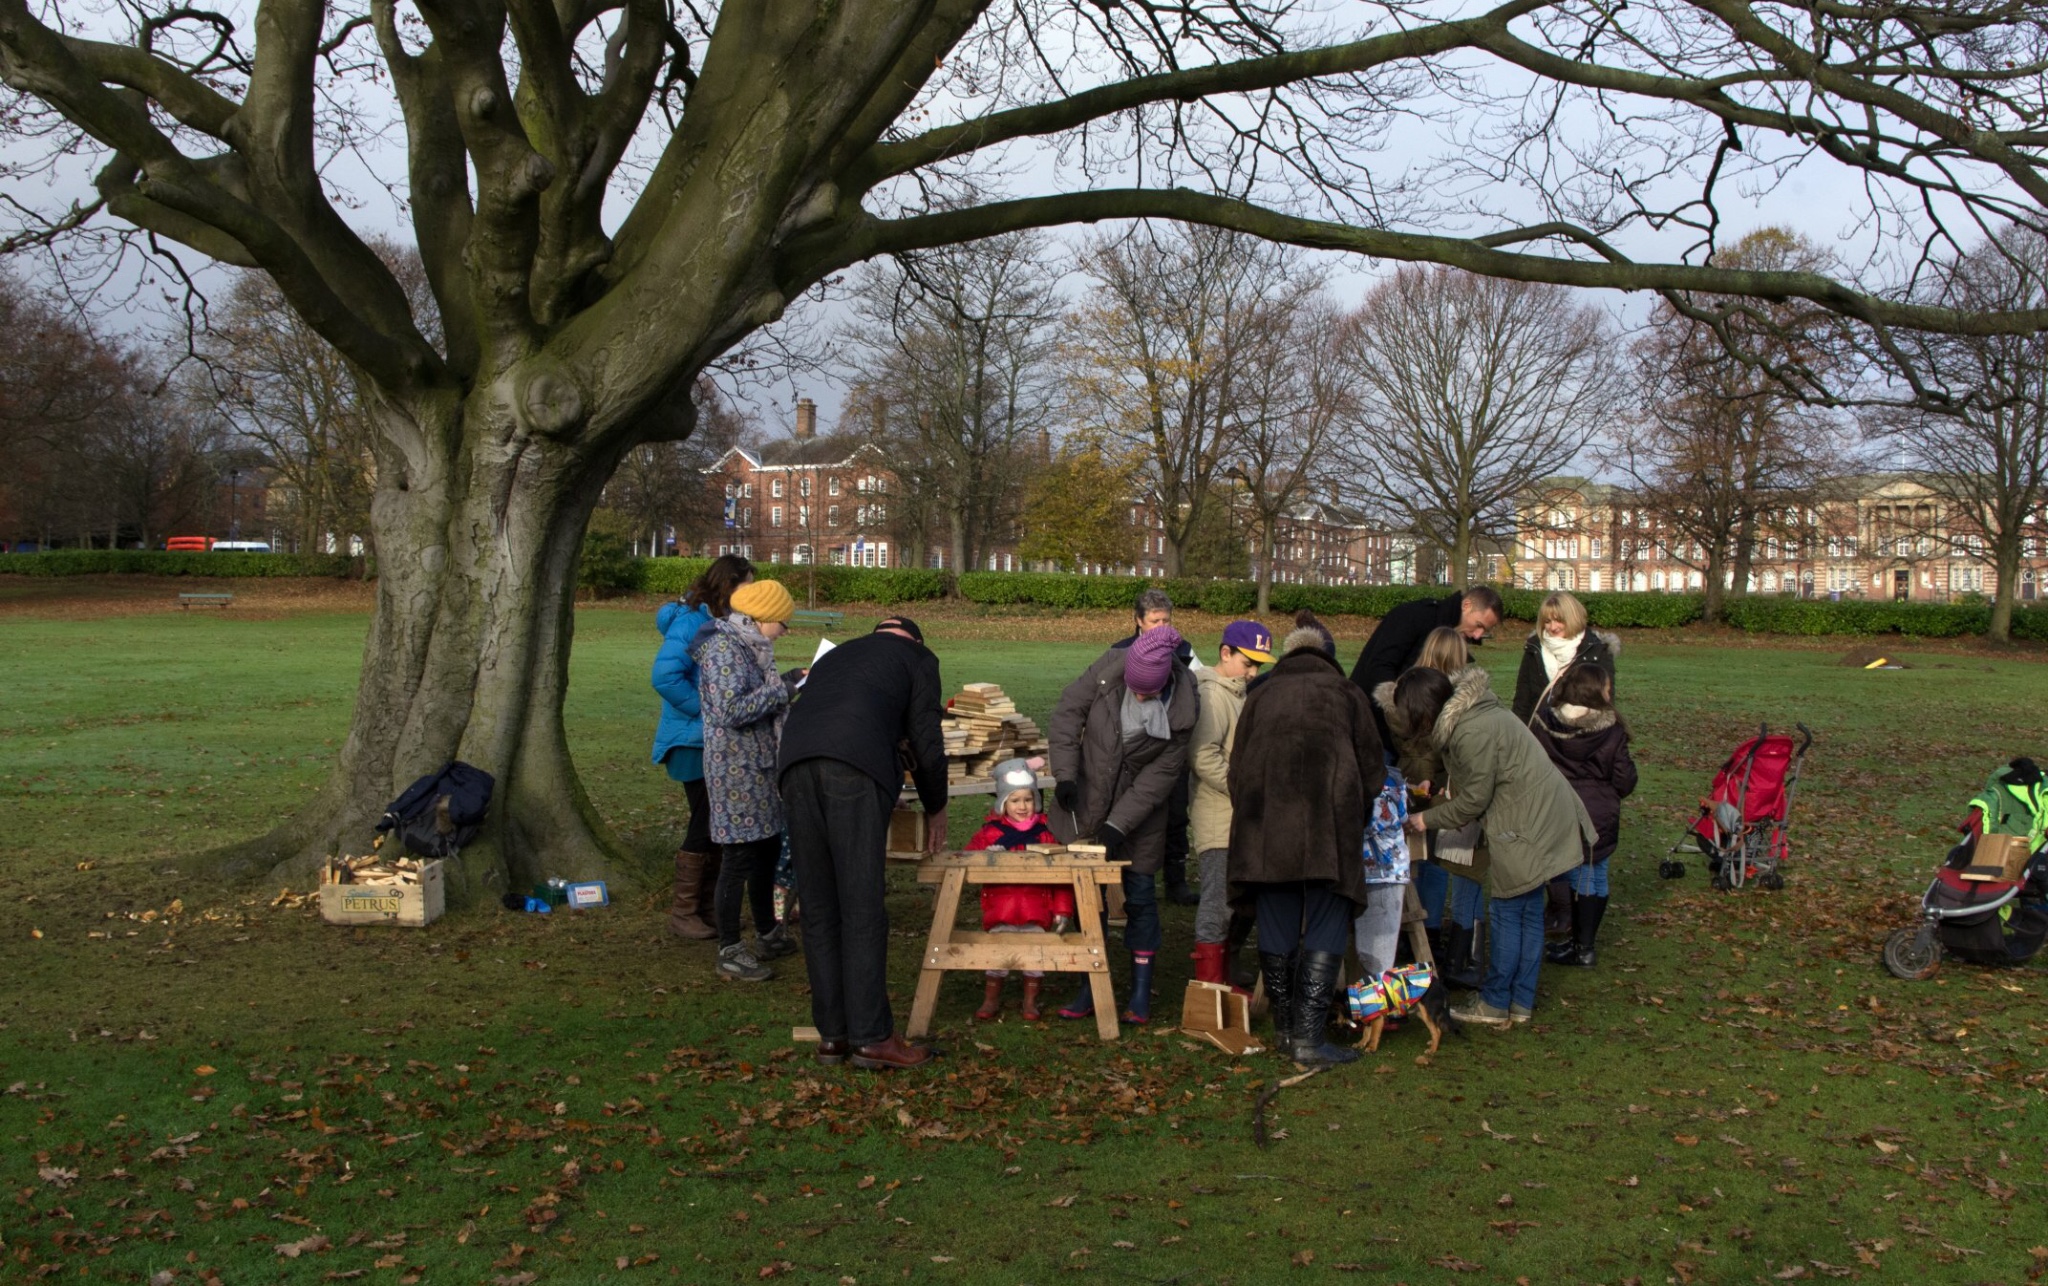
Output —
<point x="610" y="197"/>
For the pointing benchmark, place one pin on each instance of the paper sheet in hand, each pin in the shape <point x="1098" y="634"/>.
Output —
<point x="824" y="646"/>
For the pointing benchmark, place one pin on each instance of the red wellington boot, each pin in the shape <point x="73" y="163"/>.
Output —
<point x="1209" y="967"/>
<point x="991" y="1002"/>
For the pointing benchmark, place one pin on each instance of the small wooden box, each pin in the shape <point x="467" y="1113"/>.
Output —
<point x="1219" y="1015"/>
<point x="1998" y="857"/>
<point x="413" y="906"/>
<point x="906" y="834"/>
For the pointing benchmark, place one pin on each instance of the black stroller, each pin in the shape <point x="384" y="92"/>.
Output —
<point x="1981" y="915"/>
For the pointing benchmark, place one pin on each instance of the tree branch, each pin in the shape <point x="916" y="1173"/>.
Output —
<point x="1244" y="76"/>
<point x="828" y="250"/>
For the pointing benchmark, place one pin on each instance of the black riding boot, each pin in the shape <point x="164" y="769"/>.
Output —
<point x="1233" y="947"/>
<point x="1456" y="966"/>
<point x="1278" y="973"/>
<point x="1315" y="990"/>
<point x="1586" y="915"/>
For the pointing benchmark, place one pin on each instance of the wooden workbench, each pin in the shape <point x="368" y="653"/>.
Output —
<point x="1084" y="951"/>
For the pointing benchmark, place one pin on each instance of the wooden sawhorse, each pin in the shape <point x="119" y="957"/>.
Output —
<point x="1085" y="951"/>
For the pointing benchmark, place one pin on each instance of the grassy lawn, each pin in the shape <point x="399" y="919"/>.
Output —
<point x="201" y="1083"/>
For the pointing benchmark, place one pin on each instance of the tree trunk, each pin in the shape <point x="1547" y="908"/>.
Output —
<point x="467" y="658"/>
<point x="1715" y="592"/>
<point x="1461" y="555"/>
<point x="2006" y="550"/>
<point x="1745" y="554"/>
<point x="1266" y="526"/>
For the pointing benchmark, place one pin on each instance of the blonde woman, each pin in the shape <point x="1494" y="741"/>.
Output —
<point x="1563" y="637"/>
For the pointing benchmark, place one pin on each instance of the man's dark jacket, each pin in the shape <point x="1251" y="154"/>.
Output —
<point x="1396" y="644"/>
<point x="864" y="699"/>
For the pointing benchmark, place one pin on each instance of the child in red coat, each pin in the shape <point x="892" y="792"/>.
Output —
<point x="1018" y="908"/>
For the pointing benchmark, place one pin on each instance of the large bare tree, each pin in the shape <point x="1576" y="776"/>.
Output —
<point x="1468" y="389"/>
<point x="1293" y="403"/>
<point x="1984" y="448"/>
<point x="610" y="196"/>
<point x="1722" y="452"/>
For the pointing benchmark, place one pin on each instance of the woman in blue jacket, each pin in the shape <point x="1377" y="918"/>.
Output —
<point x="679" y="737"/>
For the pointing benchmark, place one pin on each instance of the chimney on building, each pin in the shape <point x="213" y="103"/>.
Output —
<point x="806" y="419"/>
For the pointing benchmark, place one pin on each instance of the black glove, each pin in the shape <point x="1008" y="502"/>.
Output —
<point x="1109" y="837"/>
<point x="790" y="678"/>
<point x="1067" y="795"/>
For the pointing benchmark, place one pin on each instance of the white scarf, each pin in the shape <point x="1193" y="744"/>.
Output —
<point x="1558" y="653"/>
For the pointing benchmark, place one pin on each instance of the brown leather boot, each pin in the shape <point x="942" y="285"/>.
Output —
<point x="991" y="1002"/>
<point x="891" y="1054"/>
<point x="686" y="910"/>
<point x="1030" y="1012"/>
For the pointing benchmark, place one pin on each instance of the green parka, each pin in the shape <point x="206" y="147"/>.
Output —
<point x="1536" y="828"/>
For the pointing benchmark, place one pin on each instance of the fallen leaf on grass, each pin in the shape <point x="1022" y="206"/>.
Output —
<point x="1452" y="1264"/>
<point x="1302" y="1258"/>
<point x="513" y="1279"/>
<point x="1061" y="1203"/>
<point x="1791" y="1273"/>
<point x="311" y="1245"/>
<point x="57" y="1177"/>
<point x="1686" y="1140"/>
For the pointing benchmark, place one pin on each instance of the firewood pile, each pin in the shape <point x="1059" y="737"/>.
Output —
<point x="372" y="868"/>
<point x="982" y="728"/>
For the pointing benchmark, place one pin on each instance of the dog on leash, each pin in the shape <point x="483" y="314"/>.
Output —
<point x="1397" y="993"/>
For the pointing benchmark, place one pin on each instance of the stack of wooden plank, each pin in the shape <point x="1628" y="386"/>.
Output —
<point x="982" y="728"/>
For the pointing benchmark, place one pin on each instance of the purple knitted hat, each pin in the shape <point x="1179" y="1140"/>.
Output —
<point x="1148" y="662"/>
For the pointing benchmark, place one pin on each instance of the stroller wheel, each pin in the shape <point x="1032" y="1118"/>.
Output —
<point x="1912" y="954"/>
<point x="1720" y="879"/>
<point x="1671" y="870"/>
<point x="1773" y="881"/>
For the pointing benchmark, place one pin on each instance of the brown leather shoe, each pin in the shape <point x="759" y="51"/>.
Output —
<point x="891" y="1054"/>
<point x="831" y="1052"/>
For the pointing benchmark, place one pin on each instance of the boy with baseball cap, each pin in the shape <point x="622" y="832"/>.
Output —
<point x="1247" y="645"/>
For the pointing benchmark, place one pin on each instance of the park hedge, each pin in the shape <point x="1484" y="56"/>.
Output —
<point x="671" y="576"/>
<point x="157" y="562"/>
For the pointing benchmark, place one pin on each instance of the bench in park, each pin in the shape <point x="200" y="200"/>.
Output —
<point x="204" y="600"/>
<point x="824" y="620"/>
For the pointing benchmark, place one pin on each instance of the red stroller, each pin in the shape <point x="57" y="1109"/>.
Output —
<point x="1743" y="822"/>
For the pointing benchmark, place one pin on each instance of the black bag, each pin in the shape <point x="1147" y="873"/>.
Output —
<point x="442" y="811"/>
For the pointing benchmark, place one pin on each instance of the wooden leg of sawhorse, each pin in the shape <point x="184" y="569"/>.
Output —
<point x="1416" y="921"/>
<point x="944" y="912"/>
<point x="1088" y="906"/>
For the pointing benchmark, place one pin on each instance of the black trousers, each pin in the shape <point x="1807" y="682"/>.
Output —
<point x="747" y="871"/>
<point x="1309" y="914"/>
<point x="1177" y="830"/>
<point x="697" y="839"/>
<point x="838" y="832"/>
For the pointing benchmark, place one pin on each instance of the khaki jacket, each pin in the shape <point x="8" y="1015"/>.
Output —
<point x="1209" y="753"/>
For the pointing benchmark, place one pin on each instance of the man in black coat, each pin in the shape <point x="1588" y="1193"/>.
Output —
<point x="841" y="769"/>
<point x="1397" y="640"/>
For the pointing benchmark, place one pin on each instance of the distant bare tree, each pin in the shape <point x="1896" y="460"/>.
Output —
<point x="664" y="485"/>
<point x="1987" y="457"/>
<point x="954" y="349"/>
<point x="1468" y="389"/>
<point x="1162" y="353"/>
<point x="1295" y="399"/>
<point x="1721" y="452"/>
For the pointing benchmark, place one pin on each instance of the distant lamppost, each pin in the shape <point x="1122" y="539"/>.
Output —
<point x="234" y="490"/>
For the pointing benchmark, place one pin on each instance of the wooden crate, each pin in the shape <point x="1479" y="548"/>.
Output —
<point x="412" y="906"/>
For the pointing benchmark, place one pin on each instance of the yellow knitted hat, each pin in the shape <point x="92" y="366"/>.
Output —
<point x="764" y="600"/>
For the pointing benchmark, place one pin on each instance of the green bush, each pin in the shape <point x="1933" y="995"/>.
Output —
<point x="672" y="576"/>
<point x="1811" y="616"/>
<point x="606" y="562"/>
<point x="157" y="562"/>
<point x="2030" y="623"/>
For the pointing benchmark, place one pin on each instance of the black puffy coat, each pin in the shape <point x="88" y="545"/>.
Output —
<point x="1596" y="648"/>
<point x="1590" y="747"/>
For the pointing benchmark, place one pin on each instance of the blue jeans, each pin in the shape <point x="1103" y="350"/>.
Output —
<point x="1431" y="883"/>
<point x="1517" y="925"/>
<point x="1589" y="880"/>
<point x="1465" y="898"/>
<point x="1141" y="911"/>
